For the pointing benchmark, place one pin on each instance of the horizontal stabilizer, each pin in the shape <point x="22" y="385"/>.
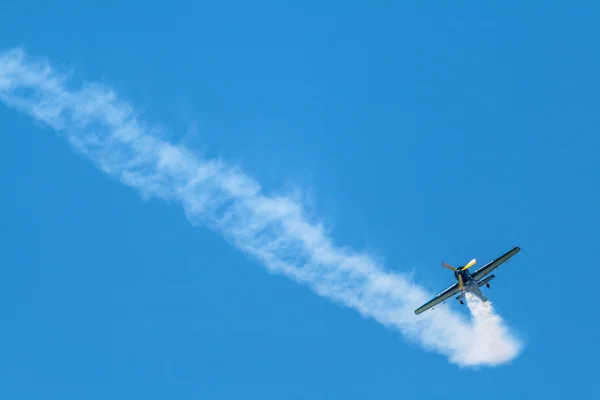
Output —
<point x="486" y="280"/>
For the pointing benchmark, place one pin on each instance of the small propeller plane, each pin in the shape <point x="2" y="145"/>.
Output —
<point x="468" y="282"/>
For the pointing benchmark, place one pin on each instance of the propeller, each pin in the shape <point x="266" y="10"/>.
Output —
<point x="450" y="267"/>
<point x="470" y="264"/>
<point x="460" y="279"/>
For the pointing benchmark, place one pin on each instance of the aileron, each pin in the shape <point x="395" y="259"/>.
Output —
<point x="492" y="265"/>
<point x="440" y="298"/>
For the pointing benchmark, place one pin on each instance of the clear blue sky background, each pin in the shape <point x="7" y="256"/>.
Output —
<point x="424" y="132"/>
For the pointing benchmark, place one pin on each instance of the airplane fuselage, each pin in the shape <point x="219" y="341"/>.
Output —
<point x="470" y="285"/>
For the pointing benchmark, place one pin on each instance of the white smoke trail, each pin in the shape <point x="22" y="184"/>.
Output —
<point x="487" y="326"/>
<point x="273" y="230"/>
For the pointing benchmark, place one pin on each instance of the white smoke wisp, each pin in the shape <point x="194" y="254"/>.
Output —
<point x="275" y="231"/>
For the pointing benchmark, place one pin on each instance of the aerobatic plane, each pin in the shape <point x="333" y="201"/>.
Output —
<point x="468" y="282"/>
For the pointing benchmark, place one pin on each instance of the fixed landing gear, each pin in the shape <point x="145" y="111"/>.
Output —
<point x="461" y="302"/>
<point x="487" y="285"/>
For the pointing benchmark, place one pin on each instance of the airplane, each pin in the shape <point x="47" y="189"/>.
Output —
<point x="468" y="282"/>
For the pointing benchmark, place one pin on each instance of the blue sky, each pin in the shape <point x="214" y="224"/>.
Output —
<point x="417" y="134"/>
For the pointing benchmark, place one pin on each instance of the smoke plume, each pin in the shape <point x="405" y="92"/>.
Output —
<point x="273" y="230"/>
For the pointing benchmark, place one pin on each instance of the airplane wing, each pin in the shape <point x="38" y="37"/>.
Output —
<point x="492" y="265"/>
<point x="445" y="295"/>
